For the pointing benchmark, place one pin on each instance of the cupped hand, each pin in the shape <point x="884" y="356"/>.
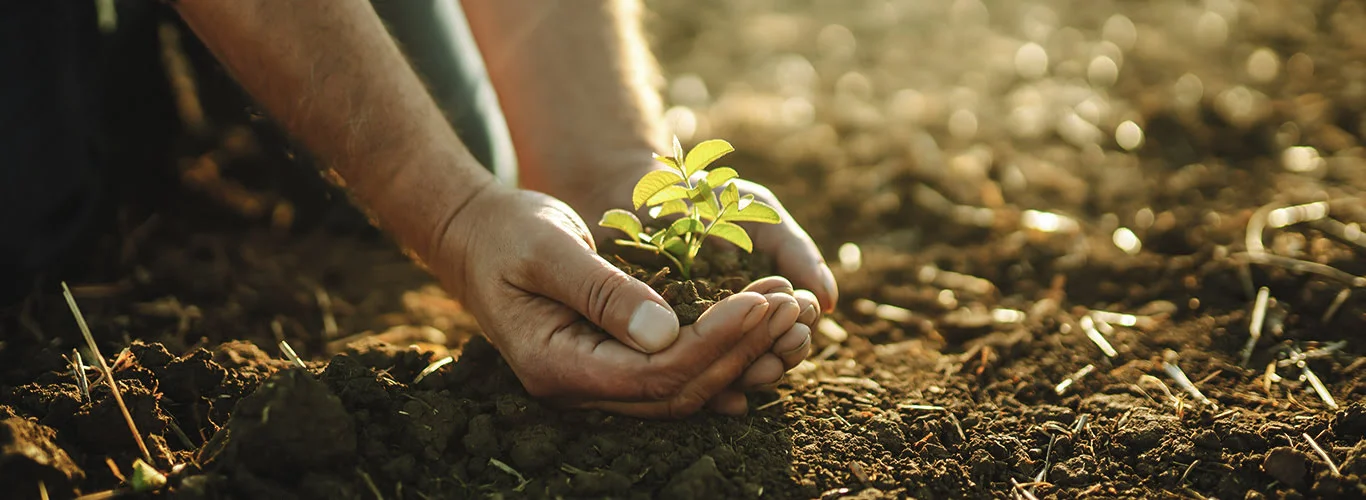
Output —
<point x="795" y="254"/>
<point x="577" y="330"/>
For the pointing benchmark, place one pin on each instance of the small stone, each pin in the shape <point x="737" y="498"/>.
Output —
<point x="1286" y="465"/>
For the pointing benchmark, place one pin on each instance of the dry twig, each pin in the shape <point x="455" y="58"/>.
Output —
<point x="104" y="367"/>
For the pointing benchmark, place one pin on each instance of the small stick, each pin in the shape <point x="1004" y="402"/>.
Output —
<point x="1305" y="266"/>
<point x="1175" y="401"/>
<point x="180" y="433"/>
<point x="1255" y="326"/>
<point x="109" y="376"/>
<point x="1089" y="326"/>
<point x="1337" y="304"/>
<point x="1020" y="488"/>
<point x="1123" y="319"/>
<point x="1300" y="360"/>
<point x="956" y="425"/>
<point x="1187" y="473"/>
<point x="1297" y="214"/>
<point x="1078" y="375"/>
<point x="432" y="368"/>
<point x="522" y="481"/>
<point x="1318" y="386"/>
<point x="920" y="407"/>
<point x="369" y="484"/>
<point x="1174" y="371"/>
<point x="329" y="320"/>
<point x="291" y="355"/>
<point x="1322" y="454"/>
<point x="78" y="370"/>
<point x="773" y="403"/>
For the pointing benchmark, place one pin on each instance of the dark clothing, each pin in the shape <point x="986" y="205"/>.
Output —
<point x="52" y="170"/>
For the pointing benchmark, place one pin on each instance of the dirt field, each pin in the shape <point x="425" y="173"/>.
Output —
<point x="1056" y="226"/>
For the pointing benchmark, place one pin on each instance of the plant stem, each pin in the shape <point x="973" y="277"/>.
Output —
<point x="687" y="271"/>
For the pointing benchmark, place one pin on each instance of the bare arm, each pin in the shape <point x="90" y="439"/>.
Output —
<point x="576" y="82"/>
<point x="330" y="74"/>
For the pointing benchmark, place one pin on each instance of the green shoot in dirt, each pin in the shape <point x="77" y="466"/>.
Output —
<point x="688" y="189"/>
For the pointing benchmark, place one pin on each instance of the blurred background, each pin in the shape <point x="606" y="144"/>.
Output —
<point x="1001" y="186"/>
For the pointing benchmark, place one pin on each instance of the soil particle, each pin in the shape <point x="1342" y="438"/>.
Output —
<point x="535" y="447"/>
<point x="28" y="456"/>
<point x="290" y="426"/>
<point x="482" y="438"/>
<point x="1286" y="465"/>
<point x="700" y="480"/>
<point x="1350" y="422"/>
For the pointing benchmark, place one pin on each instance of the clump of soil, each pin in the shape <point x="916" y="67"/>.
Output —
<point x="717" y="273"/>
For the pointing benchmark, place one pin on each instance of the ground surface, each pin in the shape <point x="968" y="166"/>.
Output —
<point x="980" y="199"/>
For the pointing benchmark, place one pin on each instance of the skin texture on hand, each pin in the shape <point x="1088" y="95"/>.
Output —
<point x="573" y="327"/>
<point x="531" y="277"/>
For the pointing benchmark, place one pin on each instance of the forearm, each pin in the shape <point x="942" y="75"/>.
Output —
<point x="328" y="72"/>
<point x="576" y="82"/>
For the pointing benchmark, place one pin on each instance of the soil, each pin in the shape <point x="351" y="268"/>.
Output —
<point x="979" y="204"/>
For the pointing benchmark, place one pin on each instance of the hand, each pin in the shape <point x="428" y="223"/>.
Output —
<point x="525" y="266"/>
<point x="796" y="255"/>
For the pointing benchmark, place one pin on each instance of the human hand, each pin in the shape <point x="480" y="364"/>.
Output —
<point x="795" y="254"/>
<point x="525" y="266"/>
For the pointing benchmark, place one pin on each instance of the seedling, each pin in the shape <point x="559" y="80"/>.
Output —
<point x="689" y="190"/>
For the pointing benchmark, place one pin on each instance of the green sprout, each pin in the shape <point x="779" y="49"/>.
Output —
<point x="689" y="190"/>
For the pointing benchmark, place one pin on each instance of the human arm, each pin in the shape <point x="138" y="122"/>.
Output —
<point x="328" y="72"/>
<point x="577" y="84"/>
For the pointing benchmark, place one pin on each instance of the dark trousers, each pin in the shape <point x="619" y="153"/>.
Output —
<point x="53" y="171"/>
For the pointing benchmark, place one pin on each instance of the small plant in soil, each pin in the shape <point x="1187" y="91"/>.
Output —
<point x="707" y="203"/>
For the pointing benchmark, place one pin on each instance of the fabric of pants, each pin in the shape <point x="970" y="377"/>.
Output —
<point x="53" y="173"/>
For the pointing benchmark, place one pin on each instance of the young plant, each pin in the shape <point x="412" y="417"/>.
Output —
<point x="689" y="190"/>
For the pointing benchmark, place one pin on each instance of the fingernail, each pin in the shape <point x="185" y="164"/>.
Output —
<point x="783" y="318"/>
<point x="830" y="287"/>
<point x="808" y="315"/>
<point x="754" y="316"/>
<point x="806" y="342"/>
<point x="653" y="326"/>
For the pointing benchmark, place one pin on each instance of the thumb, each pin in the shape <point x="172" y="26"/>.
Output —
<point x="625" y="307"/>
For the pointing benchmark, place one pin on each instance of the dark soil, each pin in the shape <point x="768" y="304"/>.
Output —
<point x="970" y="198"/>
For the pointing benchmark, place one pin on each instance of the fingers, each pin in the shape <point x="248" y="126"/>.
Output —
<point x="794" y="346"/>
<point x="724" y="371"/>
<point x="623" y="306"/>
<point x="732" y="403"/>
<point x="771" y="284"/>
<point x="796" y="254"/>
<point x="810" y="307"/>
<point x="765" y="370"/>
<point x="580" y="363"/>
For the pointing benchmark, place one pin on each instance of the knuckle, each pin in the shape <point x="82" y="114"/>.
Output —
<point x="661" y="387"/>
<point x="601" y="292"/>
<point x="538" y="387"/>
<point x="686" y="404"/>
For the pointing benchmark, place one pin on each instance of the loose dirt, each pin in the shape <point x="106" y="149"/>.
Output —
<point x="985" y="209"/>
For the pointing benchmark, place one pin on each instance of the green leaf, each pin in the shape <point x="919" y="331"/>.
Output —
<point x="652" y="183"/>
<point x="669" y="208"/>
<point x="678" y="157"/>
<point x="669" y="193"/>
<point x="721" y="175"/>
<point x="676" y="246"/>
<point x="687" y="225"/>
<point x="625" y="221"/>
<point x="730" y="196"/>
<point x="704" y="200"/>
<point x="734" y="234"/>
<point x="754" y="211"/>
<point x="659" y="238"/>
<point x="705" y="153"/>
<point x="667" y="161"/>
